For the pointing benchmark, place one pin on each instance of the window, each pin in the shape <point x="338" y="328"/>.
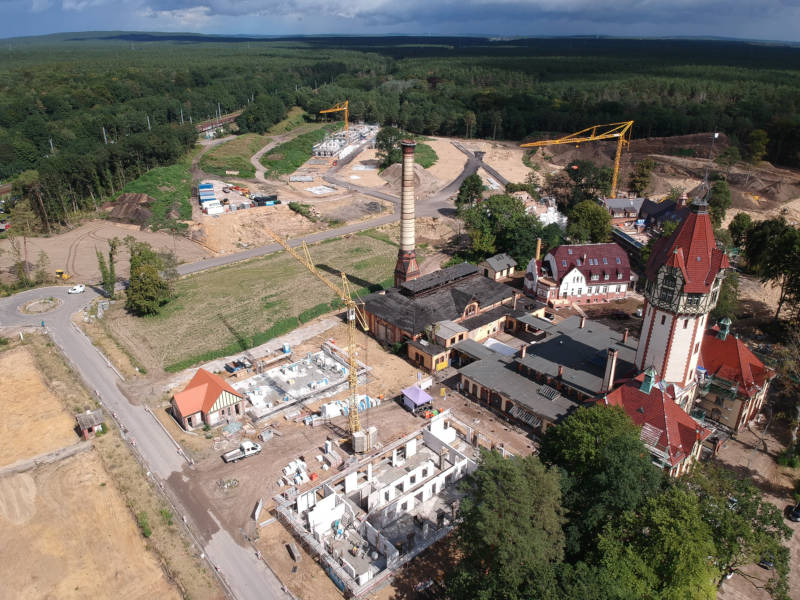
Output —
<point x="595" y="277"/>
<point x="413" y="479"/>
<point x="619" y="262"/>
<point x="563" y="263"/>
<point x="693" y="300"/>
<point x="685" y="323"/>
<point x="386" y="496"/>
<point x="605" y="276"/>
<point x="579" y="262"/>
<point x="663" y="319"/>
<point x="696" y="347"/>
<point x="605" y="260"/>
<point x="619" y="275"/>
<point x="404" y="506"/>
<point x="605" y="290"/>
<point x="569" y="251"/>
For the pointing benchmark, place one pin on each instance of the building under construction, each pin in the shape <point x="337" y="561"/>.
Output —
<point x="369" y="520"/>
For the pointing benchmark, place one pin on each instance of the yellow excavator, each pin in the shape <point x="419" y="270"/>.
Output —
<point x="62" y="274"/>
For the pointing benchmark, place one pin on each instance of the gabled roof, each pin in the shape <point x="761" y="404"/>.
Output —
<point x="692" y="249"/>
<point x="498" y="262"/>
<point x="732" y="360"/>
<point x="665" y="425"/>
<point x="592" y="259"/>
<point x="202" y="392"/>
<point x="90" y="418"/>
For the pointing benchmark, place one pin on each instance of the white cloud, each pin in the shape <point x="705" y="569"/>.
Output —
<point x="194" y="16"/>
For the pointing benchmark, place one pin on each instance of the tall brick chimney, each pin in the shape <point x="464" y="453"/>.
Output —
<point x="407" y="268"/>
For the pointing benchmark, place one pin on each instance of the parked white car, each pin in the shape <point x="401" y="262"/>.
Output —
<point x="77" y="289"/>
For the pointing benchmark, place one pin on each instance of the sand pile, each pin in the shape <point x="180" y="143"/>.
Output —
<point x="424" y="182"/>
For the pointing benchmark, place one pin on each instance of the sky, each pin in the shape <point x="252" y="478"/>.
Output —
<point x="750" y="19"/>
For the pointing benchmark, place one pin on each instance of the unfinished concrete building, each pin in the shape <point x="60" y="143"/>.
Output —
<point x="370" y="519"/>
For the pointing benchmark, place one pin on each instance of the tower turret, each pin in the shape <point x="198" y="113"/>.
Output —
<point x="683" y="275"/>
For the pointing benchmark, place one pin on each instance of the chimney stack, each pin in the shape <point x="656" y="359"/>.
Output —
<point x="625" y="336"/>
<point x="583" y="321"/>
<point x="407" y="268"/>
<point x="538" y="247"/>
<point x="523" y="350"/>
<point x="610" y="372"/>
<point x="560" y="370"/>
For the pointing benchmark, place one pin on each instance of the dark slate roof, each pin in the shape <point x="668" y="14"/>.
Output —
<point x="499" y="376"/>
<point x="498" y="262"/>
<point x="588" y="259"/>
<point x="618" y="206"/>
<point x="475" y="350"/>
<point x="413" y="313"/>
<point x="582" y="353"/>
<point x="427" y="347"/>
<point x="486" y="317"/>
<point x="438" y="279"/>
<point x="660" y="211"/>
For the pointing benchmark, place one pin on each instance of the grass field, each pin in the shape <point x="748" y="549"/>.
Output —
<point x="425" y="156"/>
<point x="234" y="155"/>
<point x="226" y="310"/>
<point x="294" y="118"/>
<point x="288" y="157"/>
<point x="171" y="187"/>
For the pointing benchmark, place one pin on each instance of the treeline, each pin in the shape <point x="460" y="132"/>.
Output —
<point x="88" y="112"/>
<point x="591" y="517"/>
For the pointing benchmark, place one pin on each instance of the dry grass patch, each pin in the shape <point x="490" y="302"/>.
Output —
<point x="227" y="306"/>
<point x="34" y="420"/>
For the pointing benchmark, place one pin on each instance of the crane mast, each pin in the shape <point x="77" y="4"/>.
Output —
<point x="619" y="131"/>
<point x="354" y="316"/>
<point x="342" y="106"/>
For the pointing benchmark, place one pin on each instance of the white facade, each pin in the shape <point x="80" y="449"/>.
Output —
<point x="670" y="343"/>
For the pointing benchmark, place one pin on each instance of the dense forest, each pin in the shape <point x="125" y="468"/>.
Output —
<point x="85" y="113"/>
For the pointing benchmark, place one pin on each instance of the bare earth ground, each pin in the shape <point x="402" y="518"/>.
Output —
<point x="26" y="431"/>
<point x="74" y="251"/>
<point x="371" y="178"/>
<point x="505" y="157"/>
<point x="748" y="457"/>
<point x="223" y="234"/>
<point x="451" y="160"/>
<point x="68" y="534"/>
<point x="434" y="231"/>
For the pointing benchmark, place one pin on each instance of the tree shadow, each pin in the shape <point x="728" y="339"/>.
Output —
<point x="354" y="279"/>
<point x="763" y="484"/>
<point x="422" y="578"/>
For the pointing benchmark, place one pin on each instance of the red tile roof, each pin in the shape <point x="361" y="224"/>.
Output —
<point x="201" y="393"/>
<point x="588" y="254"/>
<point x="665" y="425"/>
<point x="692" y="249"/>
<point x="731" y="359"/>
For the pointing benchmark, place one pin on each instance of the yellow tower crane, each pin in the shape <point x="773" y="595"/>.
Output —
<point x="619" y="131"/>
<point x="342" y="106"/>
<point x="354" y="315"/>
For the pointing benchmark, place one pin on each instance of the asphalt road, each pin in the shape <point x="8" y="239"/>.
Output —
<point x="247" y="577"/>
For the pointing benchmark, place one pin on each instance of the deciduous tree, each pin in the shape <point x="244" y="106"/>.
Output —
<point x="510" y="532"/>
<point x="589" y="222"/>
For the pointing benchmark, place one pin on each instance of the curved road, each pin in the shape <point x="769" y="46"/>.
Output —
<point x="247" y="577"/>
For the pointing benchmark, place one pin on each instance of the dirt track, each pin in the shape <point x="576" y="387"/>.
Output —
<point x="74" y="251"/>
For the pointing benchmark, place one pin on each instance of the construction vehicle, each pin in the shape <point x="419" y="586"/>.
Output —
<point x="619" y="131"/>
<point x="338" y="108"/>
<point x="355" y="315"/>
<point x="62" y="274"/>
<point x="245" y="449"/>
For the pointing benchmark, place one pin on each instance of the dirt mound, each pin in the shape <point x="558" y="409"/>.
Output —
<point x="424" y="182"/>
<point x="132" y="208"/>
